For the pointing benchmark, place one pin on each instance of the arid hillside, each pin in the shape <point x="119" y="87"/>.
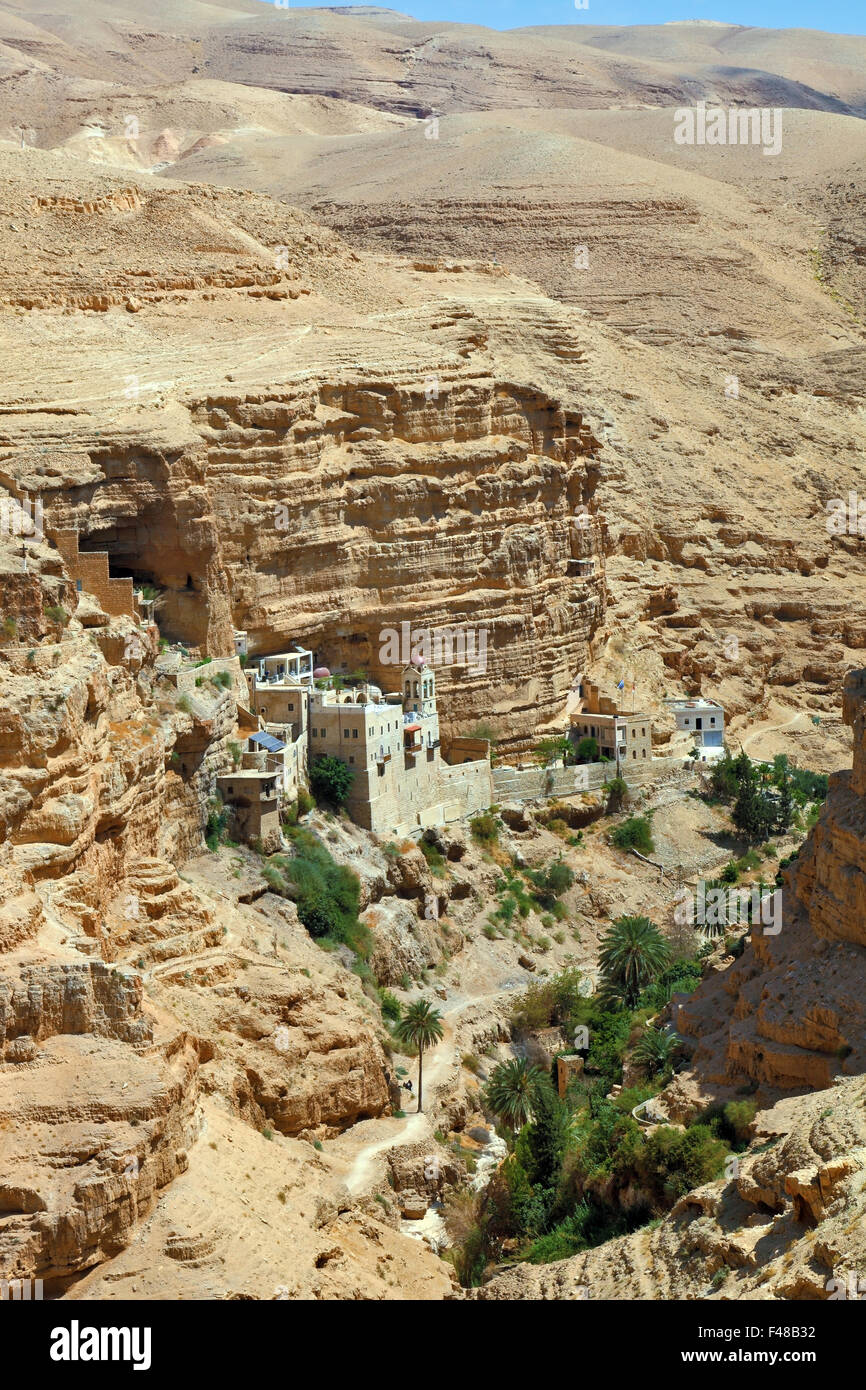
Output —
<point x="316" y="325"/>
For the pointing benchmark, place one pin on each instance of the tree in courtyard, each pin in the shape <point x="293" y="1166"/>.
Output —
<point x="421" y="1026"/>
<point x="587" y="750"/>
<point x="550" y="749"/>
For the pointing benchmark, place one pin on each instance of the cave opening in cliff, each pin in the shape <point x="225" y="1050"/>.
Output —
<point x="181" y="611"/>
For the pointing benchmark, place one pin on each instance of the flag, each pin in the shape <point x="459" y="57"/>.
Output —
<point x="621" y="685"/>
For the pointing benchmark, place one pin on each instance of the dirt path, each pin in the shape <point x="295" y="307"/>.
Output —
<point x="800" y="719"/>
<point x="389" y="1133"/>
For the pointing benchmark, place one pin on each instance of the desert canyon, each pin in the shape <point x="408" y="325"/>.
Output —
<point x="319" y="324"/>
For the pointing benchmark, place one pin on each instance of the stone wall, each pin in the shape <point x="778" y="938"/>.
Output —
<point x="470" y="786"/>
<point x="90" y="569"/>
<point x="529" y="784"/>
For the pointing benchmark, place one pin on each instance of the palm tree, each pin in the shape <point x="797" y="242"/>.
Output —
<point x="420" y="1025"/>
<point x="632" y="953"/>
<point x="656" y="1050"/>
<point x="511" y="1090"/>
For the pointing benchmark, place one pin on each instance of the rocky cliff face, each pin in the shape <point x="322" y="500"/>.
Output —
<point x="349" y="454"/>
<point x="325" y="515"/>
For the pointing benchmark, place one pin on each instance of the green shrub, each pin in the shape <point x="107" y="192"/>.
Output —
<point x="634" y="833"/>
<point x="273" y="878"/>
<point x="391" y="1007"/>
<point x="305" y="802"/>
<point x="731" y="1121"/>
<point x="673" y="1162"/>
<point x="328" y="893"/>
<point x="435" y="858"/>
<point x="217" y="823"/>
<point x="484" y="828"/>
<point x="723" y="778"/>
<point x="549" y="884"/>
<point x="750" y="860"/>
<point x="331" y="780"/>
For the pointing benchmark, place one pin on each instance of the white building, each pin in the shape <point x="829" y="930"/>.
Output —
<point x="283" y="668"/>
<point x="704" y="721"/>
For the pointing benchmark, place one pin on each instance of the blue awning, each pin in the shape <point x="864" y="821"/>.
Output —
<point x="273" y="745"/>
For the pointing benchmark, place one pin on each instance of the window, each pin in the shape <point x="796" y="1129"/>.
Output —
<point x="643" y="755"/>
<point x="354" y="735"/>
<point x="345" y="733"/>
<point x="292" y="708"/>
<point x="633" y="732"/>
<point x="643" y="733"/>
<point x="686" y="723"/>
<point x="351" y="757"/>
<point x="634" y="752"/>
<point x="712" y="719"/>
<point x="315" y="733"/>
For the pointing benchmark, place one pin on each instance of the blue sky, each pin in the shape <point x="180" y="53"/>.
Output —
<point x="837" y="16"/>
